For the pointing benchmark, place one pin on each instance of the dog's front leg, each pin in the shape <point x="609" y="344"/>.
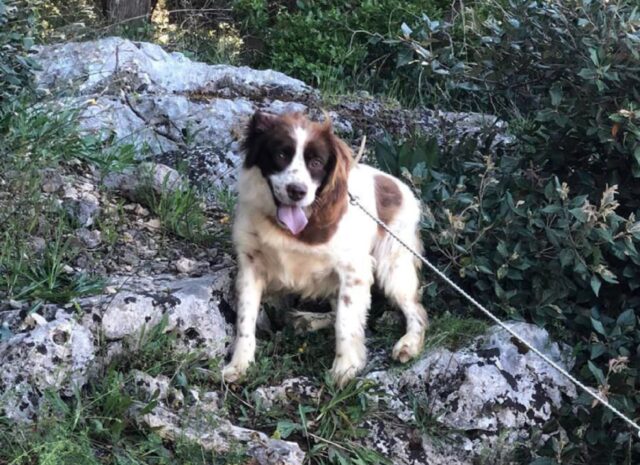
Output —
<point x="249" y="285"/>
<point x="351" y="316"/>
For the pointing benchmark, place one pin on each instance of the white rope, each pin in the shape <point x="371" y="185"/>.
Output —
<point x="599" y="398"/>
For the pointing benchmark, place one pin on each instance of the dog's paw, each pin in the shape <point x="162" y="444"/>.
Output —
<point x="234" y="371"/>
<point x="409" y="346"/>
<point x="346" y="367"/>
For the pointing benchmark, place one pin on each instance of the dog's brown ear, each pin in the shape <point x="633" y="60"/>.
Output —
<point x="262" y="122"/>
<point x="341" y="156"/>
<point x="259" y="124"/>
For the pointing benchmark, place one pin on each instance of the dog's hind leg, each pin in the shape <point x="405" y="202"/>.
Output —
<point x="397" y="275"/>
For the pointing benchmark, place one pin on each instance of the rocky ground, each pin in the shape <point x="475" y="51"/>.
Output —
<point x="455" y="405"/>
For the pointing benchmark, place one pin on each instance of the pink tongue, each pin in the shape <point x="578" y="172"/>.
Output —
<point x="292" y="217"/>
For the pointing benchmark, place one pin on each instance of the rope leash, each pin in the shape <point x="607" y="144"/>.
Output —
<point x="354" y="201"/>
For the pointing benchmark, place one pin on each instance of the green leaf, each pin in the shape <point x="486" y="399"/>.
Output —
<point x="556" y="94"/>
<point x="597" y="325"/>
<point x="597" y="372"/>
<point x="587" y="74"/>
<point x="595" y="284"/>
<point x="597" y="350"/>
<point x="149" y="407"/>
<point x="627" y="318"/>
<point x="286" y="427"/>
<point x="636" y="154"/>
<point x="579" y="214"/>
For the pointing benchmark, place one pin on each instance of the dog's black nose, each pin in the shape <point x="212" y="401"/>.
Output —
<point x="296" y="191"/>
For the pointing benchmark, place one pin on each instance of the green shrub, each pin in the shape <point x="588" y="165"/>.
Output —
<point x="547" y="230"/>
<point x="17" y="21"/>
<point x="326" y="41"/>
<point x="523" y="243"/>
<point x="567" y="72"/>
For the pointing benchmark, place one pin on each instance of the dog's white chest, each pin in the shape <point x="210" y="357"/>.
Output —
<point x="310" y="274"/>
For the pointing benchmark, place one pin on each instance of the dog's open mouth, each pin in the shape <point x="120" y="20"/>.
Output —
<point x="292" y="217"/>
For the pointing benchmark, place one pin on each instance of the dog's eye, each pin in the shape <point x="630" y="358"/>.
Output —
<point x="316" y="163"/>
<point x="281" y="156"/>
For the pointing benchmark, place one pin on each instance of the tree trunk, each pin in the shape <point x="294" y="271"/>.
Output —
<point x="119" y="10"/>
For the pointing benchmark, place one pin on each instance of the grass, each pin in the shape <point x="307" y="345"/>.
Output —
<point x="179" y="209"/>
<point x="452" y="332"/>
<point x="94" y="426"/>
<point x="37" y="140"/>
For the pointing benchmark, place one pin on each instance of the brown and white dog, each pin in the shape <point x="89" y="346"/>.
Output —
<point x="295" y="231"/>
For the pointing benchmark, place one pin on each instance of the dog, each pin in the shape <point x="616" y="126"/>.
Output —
<point x="295" y="231"/>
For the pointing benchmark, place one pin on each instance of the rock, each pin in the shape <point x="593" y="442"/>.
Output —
<point x="298" y="389"/>
<point x="176" y="100"/>
<point x="488" y="388"/>
<point x="157" y="388"/>
<point x="156" y="177"/>
<point x="37" y="245"/>
<point x="407" y="445"/>
<point x="191" y="307"/>
<point x="145" y="67"/>
<point x="186" y="266"/>
<point x="90" y="238"/>
<point x="84" y="209"/>
<point x="211" y="168"/>
<point x="186" y="111"/>
<point x="491" y="389"/>
<point x="59" y="354"/>
<point x="51" y="181"/>
<point x="219" y="435"/>
<point x="201" y="424"/>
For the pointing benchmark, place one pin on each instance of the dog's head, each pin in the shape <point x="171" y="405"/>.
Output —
<point x="304" y="163"/>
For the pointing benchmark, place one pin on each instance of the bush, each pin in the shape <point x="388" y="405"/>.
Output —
<point x="325" y="41"/>
<point x="16" y="30"/>
<point x="546" y="230"/>
<point x="529" y="248"/>
<point x="565" y="72"/>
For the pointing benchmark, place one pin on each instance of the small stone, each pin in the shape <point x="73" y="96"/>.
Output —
<point x="186" y="266"/>
<point x="35" y="319"/>
<point x="84" y="209"/>
<point x="52" y="181"/>
<point x="90" y="238"/>
<point x="153" y="224"/>
<point x="141" y="211"/>
<point x="38" y="244"/>
<point x="67" y="269"/>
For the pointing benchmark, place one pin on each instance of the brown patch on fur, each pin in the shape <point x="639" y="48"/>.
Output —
<point x="346" y="300"/>
<point x="357" y="282"/>
<point x="388" y="199"/>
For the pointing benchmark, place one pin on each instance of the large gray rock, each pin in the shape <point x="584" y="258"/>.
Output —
<point x="90" y="67"/>
<point x="192" y="112"/>
<point x="141" y="94"/>
<point x="54" y="355"/>
<point x="190" y="306"/>
<point x="492" y="387"/>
